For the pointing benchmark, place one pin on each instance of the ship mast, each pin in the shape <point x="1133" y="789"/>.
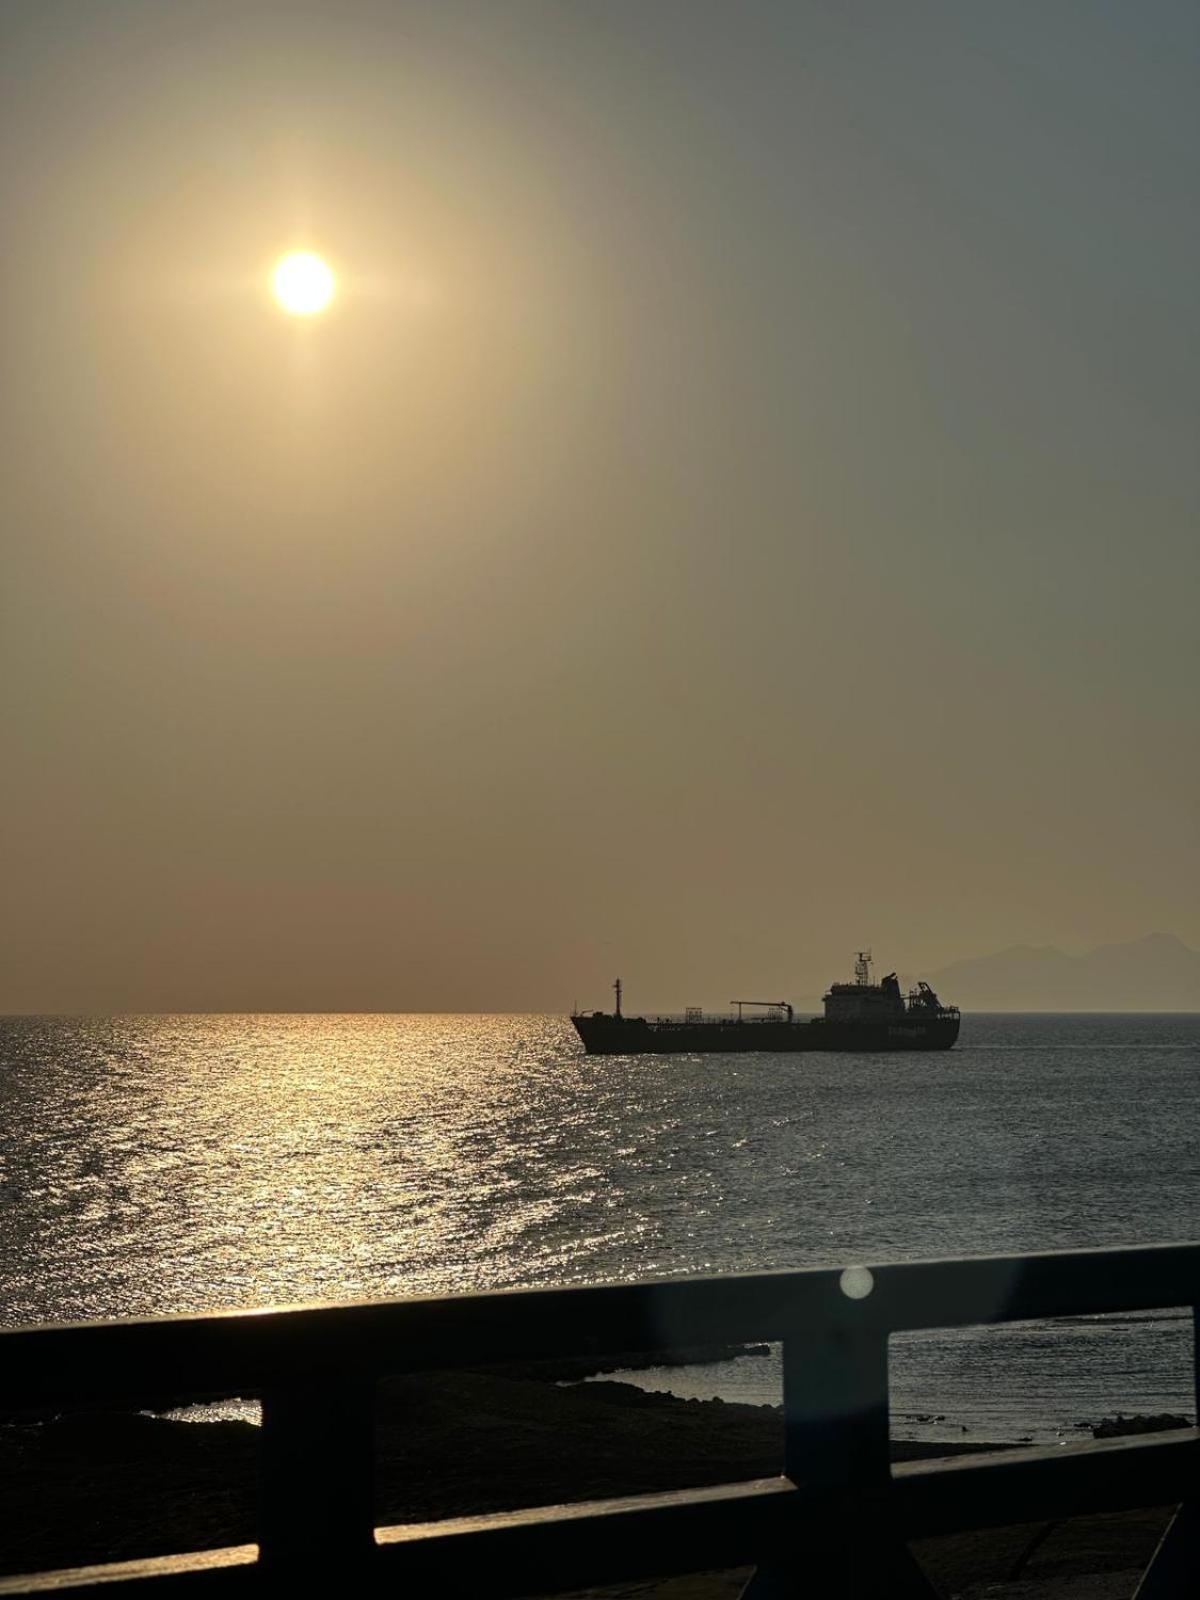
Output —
<point x="862" y="969"/>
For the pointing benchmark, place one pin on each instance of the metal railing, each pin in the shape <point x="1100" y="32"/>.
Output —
<point x="835" y="1522"/>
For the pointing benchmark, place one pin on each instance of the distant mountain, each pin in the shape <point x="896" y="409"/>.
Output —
<point x="1157" y="973"/>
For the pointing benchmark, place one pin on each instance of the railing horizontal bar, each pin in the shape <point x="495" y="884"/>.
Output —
<point x="243" y="1352"/>
<point x="994" y="1490"/>
<point x="713" y="1497"/>
<point x="1015" y="1288"/>
<point x="521" y="1552"/>
<point x="548" y="1548"/>
<point x="232" y="1570"/>
<point x="232" y="1352"/>
<point x="558" y="1548"/>
<point x="735" y="1525"/>
<point x="612" y="1541"/>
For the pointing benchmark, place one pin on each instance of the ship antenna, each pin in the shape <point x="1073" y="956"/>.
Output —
<point x="617" y="992"/>
<point x="862" y="968"/>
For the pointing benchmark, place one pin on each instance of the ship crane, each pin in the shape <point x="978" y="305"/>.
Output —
<point x="771" y="1005"/>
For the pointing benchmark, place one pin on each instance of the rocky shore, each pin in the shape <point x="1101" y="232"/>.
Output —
<point x="100" y="1486"/>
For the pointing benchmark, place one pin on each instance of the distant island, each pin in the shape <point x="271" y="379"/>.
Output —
<point x="1157" y="973"/>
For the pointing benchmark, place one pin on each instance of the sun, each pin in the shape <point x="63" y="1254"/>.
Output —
<point x="302" y="283"/>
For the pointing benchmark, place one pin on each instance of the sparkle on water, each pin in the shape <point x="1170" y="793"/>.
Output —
<point x="158" y="1164"/>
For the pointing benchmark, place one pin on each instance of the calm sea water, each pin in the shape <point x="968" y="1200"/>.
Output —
<point x="157" y="1164"/>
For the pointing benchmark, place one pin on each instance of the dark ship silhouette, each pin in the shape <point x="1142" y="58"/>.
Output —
<point x="862" y="1016"/>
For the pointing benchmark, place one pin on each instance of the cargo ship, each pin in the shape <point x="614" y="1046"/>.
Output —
<point x="862" y="1016"/>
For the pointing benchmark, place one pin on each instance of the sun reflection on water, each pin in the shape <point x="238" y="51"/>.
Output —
<point x="263" y="1160"/>
<point x="157" y="1164"/>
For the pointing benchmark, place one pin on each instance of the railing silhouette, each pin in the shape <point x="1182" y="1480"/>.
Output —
<point x="836" y="1523"/>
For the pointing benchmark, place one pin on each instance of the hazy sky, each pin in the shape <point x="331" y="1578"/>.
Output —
<point x="741" y="505"/>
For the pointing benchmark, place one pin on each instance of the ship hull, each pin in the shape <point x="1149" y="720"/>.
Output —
<point x="635" y="1036"/>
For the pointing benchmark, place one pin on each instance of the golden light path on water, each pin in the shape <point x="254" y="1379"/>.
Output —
<point x="249" y="1161"/>
<point x="161" y="1164"/>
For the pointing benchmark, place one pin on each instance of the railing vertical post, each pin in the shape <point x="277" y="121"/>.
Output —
<point x="1175" y="1566"/>
<point x="835" y="1402"/>
<point x="837" y="1439"/>
<point x="316" y="1474"/>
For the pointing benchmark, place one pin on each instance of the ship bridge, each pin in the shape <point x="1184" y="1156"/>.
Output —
<point x="862" y="1000"/>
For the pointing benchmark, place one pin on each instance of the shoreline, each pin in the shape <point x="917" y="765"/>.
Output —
<point x="105" y="1485"/>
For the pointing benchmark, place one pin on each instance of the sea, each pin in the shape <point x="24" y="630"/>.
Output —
<point x="154" y="1164"/>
